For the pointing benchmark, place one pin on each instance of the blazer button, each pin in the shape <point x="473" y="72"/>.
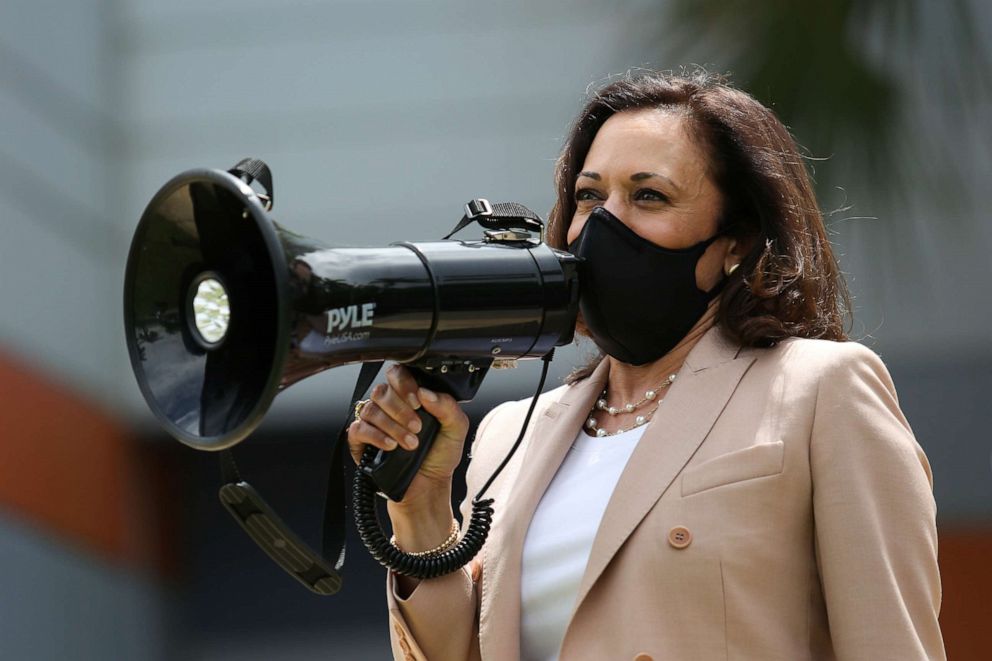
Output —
<point x="643" y="656"/>
<point x="679" y="537"/>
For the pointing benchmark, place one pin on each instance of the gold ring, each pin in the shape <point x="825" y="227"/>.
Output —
<point x="359" y="405"/>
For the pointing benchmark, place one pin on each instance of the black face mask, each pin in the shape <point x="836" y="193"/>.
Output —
<point x="637" y="299"/>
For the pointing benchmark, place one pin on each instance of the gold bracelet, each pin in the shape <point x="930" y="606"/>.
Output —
<point x="437" y="550"/>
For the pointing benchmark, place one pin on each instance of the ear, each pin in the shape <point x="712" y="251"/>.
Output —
<point x="737" y="249"/>
<point x="731" y="258"/>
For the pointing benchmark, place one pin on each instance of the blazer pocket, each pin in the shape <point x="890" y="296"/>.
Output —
<point x="756" y="461"/>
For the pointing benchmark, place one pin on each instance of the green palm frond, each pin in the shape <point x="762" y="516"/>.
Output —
<point x="848" y="77"/>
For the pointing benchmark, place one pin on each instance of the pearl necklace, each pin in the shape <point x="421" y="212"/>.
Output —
<point x="601" y="405"/>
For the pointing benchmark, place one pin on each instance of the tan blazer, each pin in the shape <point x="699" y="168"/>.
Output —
<point x="776" y="507"/>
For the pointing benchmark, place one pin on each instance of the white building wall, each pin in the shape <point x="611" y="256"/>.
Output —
<point x="60" y="312"/>
<point x="57" y="148"/>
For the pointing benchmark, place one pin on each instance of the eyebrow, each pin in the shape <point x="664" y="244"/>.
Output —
<point x="637" y="176"/>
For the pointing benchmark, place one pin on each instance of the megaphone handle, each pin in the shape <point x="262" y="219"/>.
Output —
<point x="474" y="532"/>
<point x="393" y="471"/>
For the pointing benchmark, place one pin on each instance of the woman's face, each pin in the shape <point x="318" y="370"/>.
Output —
<point x="644" y="169"/>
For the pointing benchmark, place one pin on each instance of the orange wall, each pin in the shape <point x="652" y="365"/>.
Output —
<point x="966" y="577"/>
<point x="69" y="468"/>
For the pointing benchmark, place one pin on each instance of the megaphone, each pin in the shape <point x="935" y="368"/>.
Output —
<point x="224" y="308"/>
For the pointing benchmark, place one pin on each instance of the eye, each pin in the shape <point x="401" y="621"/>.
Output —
<point x="586" y="195"/>
<point x="650" y="195"/>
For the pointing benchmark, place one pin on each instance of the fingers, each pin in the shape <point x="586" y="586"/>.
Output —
<point x="356" y="446"/>
<point x="399" y="414"/>
<point x="442" y="406"/>
<point x="362" y="433"/>
<point x="375" y="427"/>
<point x="389" y="418"/>
<point x="404" y="385"/>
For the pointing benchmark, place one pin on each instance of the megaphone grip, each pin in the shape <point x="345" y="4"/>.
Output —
<point x="369" y="525"/>
<point x="393" y="471"/>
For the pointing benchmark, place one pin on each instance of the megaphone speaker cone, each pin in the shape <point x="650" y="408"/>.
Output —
<point x="205" y="309"/>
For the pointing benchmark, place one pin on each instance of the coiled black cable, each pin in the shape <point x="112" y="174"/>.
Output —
<point x="370" y="529"/>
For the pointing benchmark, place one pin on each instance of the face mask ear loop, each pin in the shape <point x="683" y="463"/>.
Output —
<point x="718" y="287"/>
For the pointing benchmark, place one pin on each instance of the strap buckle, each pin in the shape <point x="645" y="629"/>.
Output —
<point x="478" y="208"/>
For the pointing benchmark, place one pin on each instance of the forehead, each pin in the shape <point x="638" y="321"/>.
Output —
<point x="648" y="140"/>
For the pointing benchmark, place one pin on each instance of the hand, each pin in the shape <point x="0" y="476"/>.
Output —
<point x="390" y="419"/>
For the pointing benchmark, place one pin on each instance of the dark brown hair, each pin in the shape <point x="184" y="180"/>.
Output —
<point x="789" y="284"/>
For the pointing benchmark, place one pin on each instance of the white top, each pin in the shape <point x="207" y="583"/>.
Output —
<point x="560" y="538"/>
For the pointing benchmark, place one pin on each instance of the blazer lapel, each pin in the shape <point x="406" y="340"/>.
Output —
<point x="705" y="384"/>
<point x="552" y="434"/>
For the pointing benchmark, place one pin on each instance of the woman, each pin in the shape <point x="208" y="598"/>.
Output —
<point x="733" y="480"/>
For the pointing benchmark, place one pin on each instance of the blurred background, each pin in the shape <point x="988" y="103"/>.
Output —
<point x="380" y="118"/>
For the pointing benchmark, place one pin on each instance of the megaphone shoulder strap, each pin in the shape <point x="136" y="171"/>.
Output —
<point x="319" y="572"/>
<point x="498" y="215"/>
<point x="255" y="169"/>
<point x="336" y="502"/>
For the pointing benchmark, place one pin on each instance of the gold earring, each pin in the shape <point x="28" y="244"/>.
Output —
<point x="731" y="270"/>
